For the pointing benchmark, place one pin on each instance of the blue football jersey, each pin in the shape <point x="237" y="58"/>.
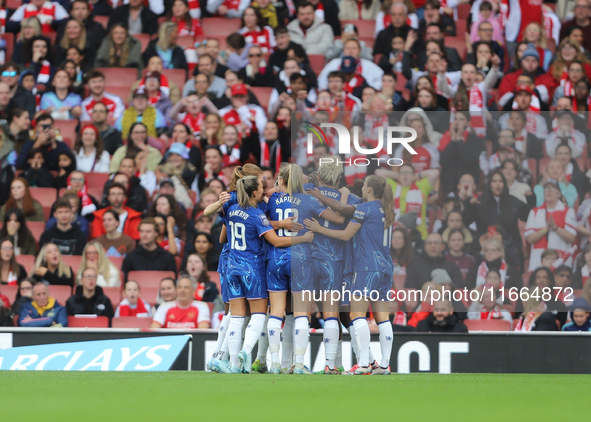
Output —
<point x="245" y="230"/>
<point x="325" y="247"/>
<point x="305" y="207"/>
<point x="279" y="208"/>
<point x="348" y="246"/>
<point x="372" y="242"/>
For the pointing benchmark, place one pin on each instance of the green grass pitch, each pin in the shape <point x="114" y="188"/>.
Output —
<point x="200" y="396"/>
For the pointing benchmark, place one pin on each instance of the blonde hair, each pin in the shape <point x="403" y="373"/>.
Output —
<point x="559" y="64"/>
<point x="164" y="35"/>
<point x="104" y="265"/>
<point x="80" y="42"/>
<point x="242" y="171"/>
<point x="331" y="172"/>
<point x="31" y="22"/>
<point x="62" y="268"/>
<point x="542" y="43"/>
<point x="245" y="187"/>
<point x="292" y="176"/>
<point x="170" y="170"/>
<point x="497" y="244"/>
<point x="533" y="300"/>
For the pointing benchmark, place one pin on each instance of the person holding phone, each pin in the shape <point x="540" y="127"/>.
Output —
<point x="45" y="140"/>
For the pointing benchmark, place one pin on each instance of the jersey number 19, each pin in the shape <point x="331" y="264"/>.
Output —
<point x="238" y="236"/>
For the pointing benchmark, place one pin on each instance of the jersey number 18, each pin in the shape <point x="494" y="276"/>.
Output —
<point x="289" y="212"/>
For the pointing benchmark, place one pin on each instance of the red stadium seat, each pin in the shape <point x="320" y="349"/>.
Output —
<point x="97" y="193"/>
<point x="117" y="261"/>
<point x="67" y="128"/>
<point x="399" y="280"/>
<point x="316" y="62"/>
<point x="542" y="163"/>
<point x="79" y="321"/>
<point x="60" y="293"/>
<point x="532" y="164"/>
<point x="186" y="41"/>
<point x="46" y="197"/>
<point x="263" y="94"/>
<point x="144" y="40"/>
<point x="365" y="28"/>
<point x="461" y="27"/>
<point x="178" y="76"/>
<point x="487" y="325"/>
<point x="9" y="39"/>
<point x="576" y="292"/>
<point x="131" y="322"/>
<point x="96" y="180"/>
<point x="122" y="91"/>
<point x="114" y="295"/>
<point x="103" y="20"/>
<point x="149" y="294"/>
<point x="459" y="43"/>
<point x="116" y="76"/>
<point x="400" y="81"/>
<point x="13" y="4"/>
<point x="73" y="261"/>
<point x="27" y="261"/>
<point x="9" y="291"/>
<point x="464" y="11"/>
<point x="37" y="228"/>
<point x="369" y="41"/>
<point x="220" y="27"/>
<point x="525" y="278"/>
<point x="149" y="278"/>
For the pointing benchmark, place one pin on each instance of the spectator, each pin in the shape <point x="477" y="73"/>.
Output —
<point x="534" y="34"/>
<point x="65" y="166"/>
<point x="565" y="133"/>
<point x="237" y="51"/>
<point x="94" y="256"/>
<point x="89" y="298"/>
<point x="205" y="65"/>
<point x="77" y="220"/>
<point x="460" y="150"/>
<point x="543" y="279"/>
<point x="20" y="197"/>
<point x="363" y="71"/>
<point x="253" y="74"/>
<point x="227" y="9"/>
<point x="183" y="135"/>
<point x="75" y="73"/>
<point x="240" y="111"/>
<point x="185" y="312"/>
<point x="129" y="219"/>
<point x="137" y="143"/>
<point x="24" y="294"/>
<point x="95" y="32"/>
<point x="19" y="124"/>
<point x="166" y="206"/>
<point x="581" y="20"/>
<point x="555" y="171"/>
<point x="11" y="272"/>
<point x="411" y="191"/>
<point x="68" y="238"/>
<point x="43" y="310"/>
<point x="267" y="11"/>
<point x="139" y="19"/>
<point x="583" y="267"/>
<point x="19" y="96"/>
<point x="579" y="316"/>
<point x="111" y="137"/>
<point x="279" y="55"/>
<point x="442" y="320"/>
<point x="151" y="118"/>
<point x="120" y="49"/>
<point x="318" y="36"/>
<point x="114" y="242"/>
<point x="401" y="251"/>
<point x="166" y="48"/>
<point x="156" y="96"/>
<point x="15" y="228"/>
<point x="398" y="26"/>
<point x="168" y="88"/>
<point x="166" y="291"/>
<point x="434" y="32"/>
<point x="212" y="48"/>
<point x="90" y="155"/>
<point x="572" y="173"/>
<point x="192" y="109"/>
<point x="487" y="28"/>
<point x="203" y="246"/>
<point x="186" y="17"/>
<point x="96" y="85"/>
<point x="132" y="305"/>
<point x="456" y="242"/>
<point x="495" y="206"/>
<point x="172" y="183"/>
<point x="328" y="11"/>
<point x="562" y="279"/>
<point x="535" y="316"/>
<point x="54" y="15"/>
<point x="167" y="239"/>
<point x="178" y="156"/>
<point x="206" y="290"/>
<point x="30" y="27"/>
<point x="138" y="187"/>
<point x="432" y="258"/>
<point x="255" y="31"/>
<point x="518" y="189"/>
<point x="45" y="139"/>
<point x="39" y="54"/>
<point x="148" y="256"/>
<point x="49" y="267"/>
<point x="487" y="308"/>
<point x="75" y="35"/>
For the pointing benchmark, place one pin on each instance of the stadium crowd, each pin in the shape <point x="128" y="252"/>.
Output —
<point x="122" y="122"/>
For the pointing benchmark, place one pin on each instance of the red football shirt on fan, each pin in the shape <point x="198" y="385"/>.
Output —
<point x="172" y="315"/>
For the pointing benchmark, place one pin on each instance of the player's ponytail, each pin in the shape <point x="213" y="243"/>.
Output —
<point x="292" y="176"/>
<point x="243" y="171"/>
<point x="245" y="187"/>
<point x="383" y="191"/>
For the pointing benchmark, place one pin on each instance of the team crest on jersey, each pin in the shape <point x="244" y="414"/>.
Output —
<point x="264" y="219"/>
<point x="191" y="315"/>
